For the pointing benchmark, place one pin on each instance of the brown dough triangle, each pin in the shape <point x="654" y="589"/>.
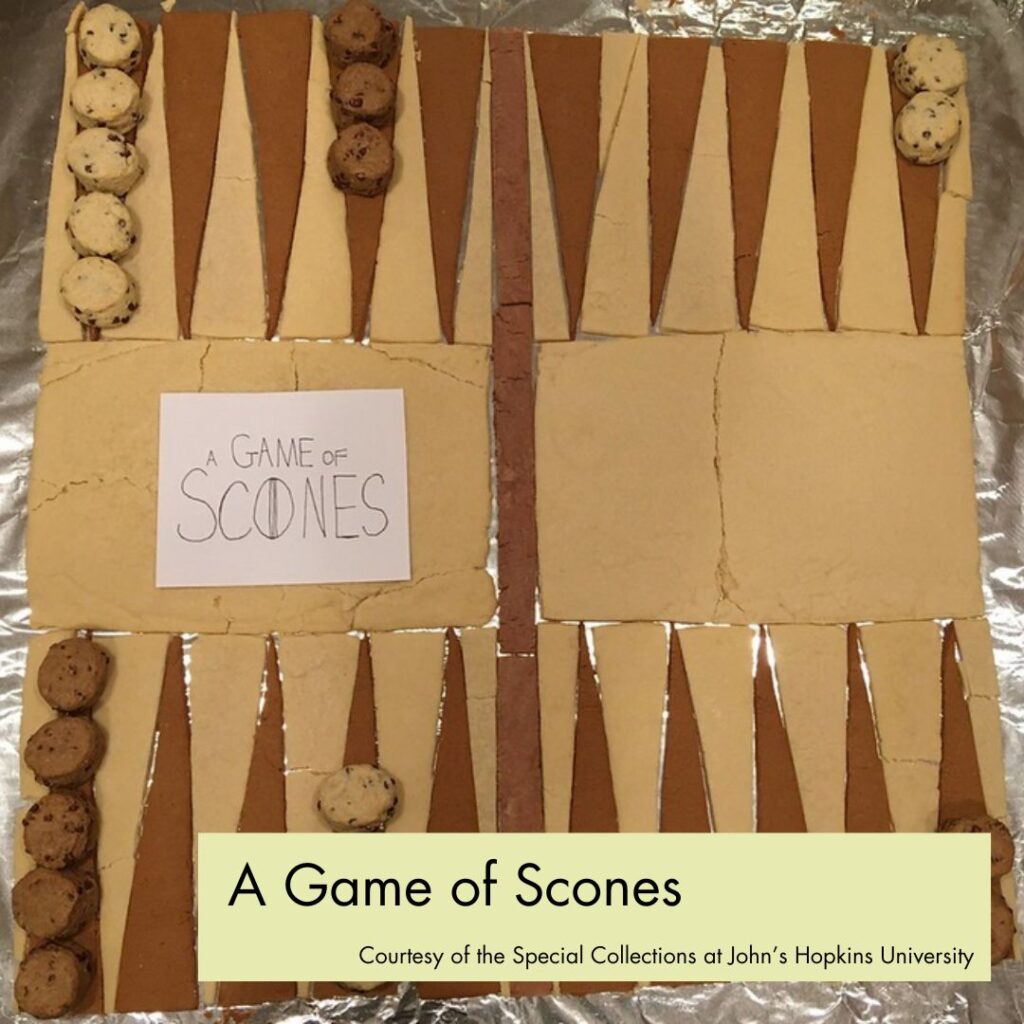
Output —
<point x="263" y="810"/>
<point x="363" y="217"/>
<point x="960" y="791"/>
<point x="837" y="74"/>
<point x="450" y="65"/>
<point x="754" y="70"/>
<point x="675" y="71"/>
<point x="867" y="800"/>
<point x="361" y="739"/>
<point x="779" y="807"/>
<point x="275" y="58"/>
<point x="684" y="801"/>
<point x="158" y="958"/>
<point x="195" y="56"/>
<point x="919" y="193"/>
<point x="567" y="73"/>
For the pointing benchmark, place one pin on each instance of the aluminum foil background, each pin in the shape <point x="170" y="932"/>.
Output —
<point x="31" y="55"/>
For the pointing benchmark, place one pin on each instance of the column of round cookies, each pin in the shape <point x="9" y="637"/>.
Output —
<point x="360" y="42"/>
<point x="60" y="897"/>
<point x="106" y="103"/>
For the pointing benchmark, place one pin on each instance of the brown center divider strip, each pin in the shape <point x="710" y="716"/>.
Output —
<point x="567" y="73"/>
<point x="684" y="801"/>
<point x="675" y="71"/>
<point x="779" y="807"/>
<point x="960" y="791"/>
<point x="363" y="217"/>
<point x="837" y="74"/>
<point x="275" y="59"/>
<point x="867" y="800"/>
<point x="754" y="70"/>
<point x="158" y="958"/>
<point x="919" y="192"/>
<point x="263" y="810"/>
<point x="450" y="66"/>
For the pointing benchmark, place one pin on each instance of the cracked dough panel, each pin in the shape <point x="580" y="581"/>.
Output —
<point x="657" y="460"/>
<point x="92" y="528"/>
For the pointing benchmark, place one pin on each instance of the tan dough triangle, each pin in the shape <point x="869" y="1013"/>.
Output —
<point x="754" y="71"/>
<point x="195" y="58"/>
<point x="836" y="76"/>
<point x="874" y="292"/>
<point x="567" y="75"/>
<point x="684" y="799"/>
<point x="361" y="737"/>
<point x="264" y="811"/>
<point x="787" y="293"/>
<point x="275" y="58"/>
<point x="947" y="303"/>
<point x="960" y="790"/>
<point x="617" y="52"/>
<point x="450" y="65"/>
<point x="867" y="801"/>
<point x="158" y="961"/>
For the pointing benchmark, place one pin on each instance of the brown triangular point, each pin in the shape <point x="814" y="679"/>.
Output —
<point x="675" y="70"/>
<point x="684" y="801"/>
<point x="158" y="958"/>
<point x="919" y="192"/>
<point x="960" y="791"/>
<point x="450" y="67"/>
<point x="567" y="73"/>
<point x="361" y="739"/>
<point x="195" y="56"/>
<point x="263" y="810"/>
<point x="779" y="807"/>
<point x="867" y="800"/>
<point x="754" y="71"/>
<point x="275" y="57"/>
<point x="837" y="74"/>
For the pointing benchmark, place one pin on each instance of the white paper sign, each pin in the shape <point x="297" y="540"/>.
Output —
<point x="272" y="488"/>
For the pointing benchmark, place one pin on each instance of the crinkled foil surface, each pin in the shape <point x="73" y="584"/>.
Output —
<point x="31" y="54"/>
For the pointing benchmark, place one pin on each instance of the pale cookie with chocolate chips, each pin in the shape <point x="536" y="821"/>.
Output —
<point x="357" y="798"/>
<point x="357" y="31"/>
<point x="59" y="830"/>
<point x="929" y="63"/>
<point x="65" y="751"/>
<point x="1003" y="928"/>
<point x="104" y="161"/>
<point x="99" y="292"/>
<point x="54" y="904"/>
<point x="73" y="673"/>
<point x="927" y="128"/>
<point x="106" y="98"/>
<point x="109" y="37"/>
<point x="53" y="979"/>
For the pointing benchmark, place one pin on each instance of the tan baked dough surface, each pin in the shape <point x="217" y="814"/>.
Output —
<point x="479" y="650"/>
<point x="557" y="649"/>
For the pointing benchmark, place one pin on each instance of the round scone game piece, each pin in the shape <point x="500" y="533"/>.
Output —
<point x="357" y="31"/>
<point x="99" y="292"/>
<point x="59" y="830"/>
<point x="65" y="751"/>
<point x="1002" y="841"/>
<point x="104" y="161"/>
<point x="53" y="979"/>
<point x="1002" y="928"/>
<point x="362" y="92"/>
<point x="927" y="128"/>
<point x="929" y="63"/>
<point x="106" y="98"/>
<point x="357" y="798"/>
<point x="73" y="674"/>
<point x="100" y="224"/>
<point x="361" y="160"/>
<point x="54" y="904"/>
<point x="109" y="38"/>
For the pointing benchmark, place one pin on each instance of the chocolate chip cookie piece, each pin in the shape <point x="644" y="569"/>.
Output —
<point x="357" y="798"/>
<point x="362" y="92"/>
<point x="357" y="31"/>
<point x="73" y="675"/>
<point x="1002" y="928"/>
<point x="65" y="751"/>
<point x="927" y="128"/>
<point x="360" y="161"/>
<point x="60" y="830"/>
<point x="54" y="904"/>
<point x="929" y="62"/>
<point x="1002" y="841"/>
<point x="53" y="979"/>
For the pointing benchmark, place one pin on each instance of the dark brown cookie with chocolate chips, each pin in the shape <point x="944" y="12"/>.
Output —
<point x="60" y="830"/>
<point x="357" y="31"/>
<point x="53" y="979"/>
<point x="362" y="92"/>
<point x="1002" y="928"/>
<point x="360" y="161"/>
<point x="73" y="674"/>
<point x="65" y="751"/>
<point x="1002" y="841"/>
<point x="54" y="904"/>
